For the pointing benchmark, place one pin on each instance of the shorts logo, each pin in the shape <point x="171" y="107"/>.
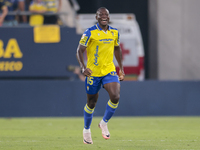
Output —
<point x="113" y="73"/>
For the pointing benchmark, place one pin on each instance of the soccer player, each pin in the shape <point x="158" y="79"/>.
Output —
<point x="101" y="42"/>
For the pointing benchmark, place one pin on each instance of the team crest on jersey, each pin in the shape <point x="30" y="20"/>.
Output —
<point x="98" y="34"/>
<point x="112" y="33"/>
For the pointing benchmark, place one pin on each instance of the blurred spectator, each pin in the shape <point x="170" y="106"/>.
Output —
<point x="13" y="5"/>
<point x="27" y="4"/>
<point x="3" y="10"/>
<point x="77" y="71"/>
<point x="38" y="7"/>
<point x="52" y="8"/>
<point x="75" y="5"/>
<point x="70" y="7"/>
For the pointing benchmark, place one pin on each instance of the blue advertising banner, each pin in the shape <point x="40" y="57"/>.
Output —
<point x="20" y="56"/>
<point x="42" y="98"/>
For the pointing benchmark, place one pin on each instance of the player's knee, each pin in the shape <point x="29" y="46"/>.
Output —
<point x="91" y="105"/>
<point x="115" y="98"/>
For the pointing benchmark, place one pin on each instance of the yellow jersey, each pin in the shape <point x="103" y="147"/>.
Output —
<point x="100" y="49"/>
<point x="51" y="5"/>
<point x="37" y="19"/>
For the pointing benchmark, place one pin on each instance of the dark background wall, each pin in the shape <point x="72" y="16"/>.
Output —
<point x="28" y="98"/>
<point x="137" y="7"/>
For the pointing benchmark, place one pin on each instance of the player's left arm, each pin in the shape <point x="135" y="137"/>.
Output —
<point x="4" y="13"/>
<point x="118" y="56"/>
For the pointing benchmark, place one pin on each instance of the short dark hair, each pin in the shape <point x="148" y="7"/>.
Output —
<point x="100" y="9"/>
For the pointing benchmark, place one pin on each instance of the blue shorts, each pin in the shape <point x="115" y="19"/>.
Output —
<point x="93" y="84"/>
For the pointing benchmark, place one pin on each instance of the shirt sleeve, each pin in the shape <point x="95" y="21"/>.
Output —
<point x="85" y="38"/>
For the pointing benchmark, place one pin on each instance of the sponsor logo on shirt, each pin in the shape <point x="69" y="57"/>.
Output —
<point x="96" y="56"/>
<point x="106" y="41"/>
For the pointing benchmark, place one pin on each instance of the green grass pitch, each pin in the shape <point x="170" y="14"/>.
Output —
<point x="127" y="133"/>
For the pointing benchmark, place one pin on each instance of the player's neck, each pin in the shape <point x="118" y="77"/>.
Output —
<point x="104" y="27"/>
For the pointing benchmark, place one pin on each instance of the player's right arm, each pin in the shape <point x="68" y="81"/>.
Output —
<point x="83" y="43"/>
<point x="79" y="55"/>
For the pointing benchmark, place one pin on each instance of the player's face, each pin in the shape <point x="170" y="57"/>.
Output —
<point x="103" y="16"/>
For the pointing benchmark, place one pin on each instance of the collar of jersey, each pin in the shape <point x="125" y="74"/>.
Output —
<point x="99" y="28"/>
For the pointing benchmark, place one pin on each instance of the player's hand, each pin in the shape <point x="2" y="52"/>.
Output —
<point x="86" y="72"/>
<point x="121" y="75"/>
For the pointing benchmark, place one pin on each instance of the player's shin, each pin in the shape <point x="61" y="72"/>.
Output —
<point x="110" y="110"/>
<point x="88" y="115"/>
